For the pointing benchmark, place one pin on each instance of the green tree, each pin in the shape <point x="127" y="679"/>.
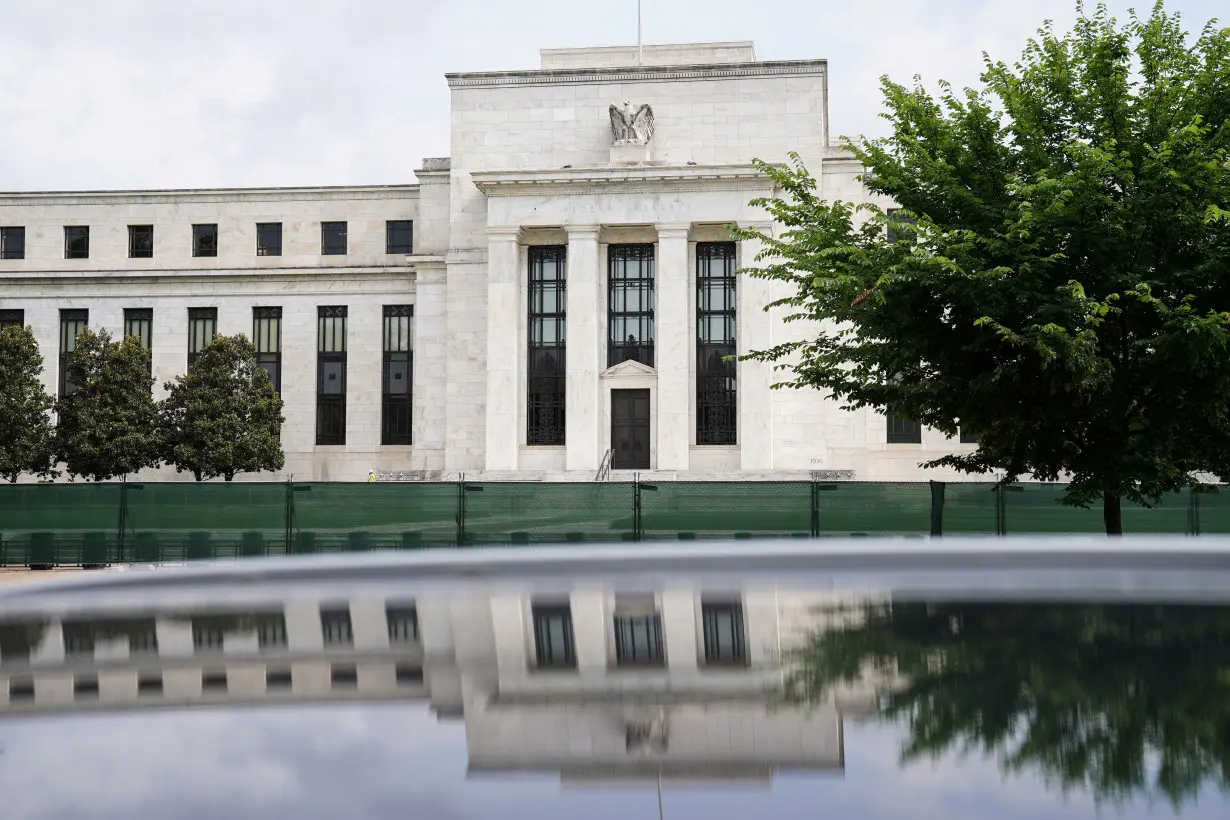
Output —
<point x="1057" y="279"/>
<point x="1117" y="700"/>
<point x="108" y="421"/>
<point x="27" y="442"/>
<point x="222" y="417"/>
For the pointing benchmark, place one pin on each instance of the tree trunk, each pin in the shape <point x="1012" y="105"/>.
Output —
<point x="13" y="478"/>
<point x="1112" y="512"/>
<point x="230" y="476"/>
<point x="197" y="475"/>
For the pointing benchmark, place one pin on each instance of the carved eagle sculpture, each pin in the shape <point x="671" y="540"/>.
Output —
<point x="631" y="127"/>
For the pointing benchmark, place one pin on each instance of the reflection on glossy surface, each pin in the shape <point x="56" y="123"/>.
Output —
<point x="585" y="695"/>
<point x="1119" y="700"/>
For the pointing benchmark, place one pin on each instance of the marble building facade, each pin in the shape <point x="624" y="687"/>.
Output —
<point x="554" y="299"/>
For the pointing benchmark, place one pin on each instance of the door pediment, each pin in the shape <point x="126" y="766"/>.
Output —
<point x="629" y="370"/>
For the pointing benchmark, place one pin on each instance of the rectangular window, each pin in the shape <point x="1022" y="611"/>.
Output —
<point x="895" y="217"/>
<point x="149" y="684"/>
<point x="335" y="624"/>
<point x="15" y="317"/>
<point x="279" y="678"/>
<point x="214" y="681"/>
<point x="333" y="238"/>
<point x="716" y="407"/>
<point x="398" y="377"/>
<point x="267" y="336"/>
<point x="399" y="236"/>
<point x="344" y="676"/>
<point x="21" y="689"/>
<point x="409" y="674"/>
<point x="202" y="327"/>
<point x="723" y="631"/>
<point x="139" y="322"/>
<point x="553" y="642"/>
<point x="546" y="366"/>
<point x="968" y="437"/>
<point x="638" y="635"/>
<point x="268" y="238"/>
<point x="271" y="631"/>
<point x="403" y="624"/>
<point x="204" y="240"/>
<point x="140" y="241"/>
<point x="331" y="375"/>
<point x="903" y="431"/>
<point x="78" y="639"/>
<point x="207" y="636"/>
<point x="85" y="686"/>
<point x="630" y="304"/>
<point x="76" y="241"/>
<point x="12" y="243"/>
<point x="72" y="322"/>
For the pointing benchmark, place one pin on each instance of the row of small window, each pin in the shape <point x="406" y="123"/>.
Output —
<point x="209" y="632"/>
<point x="630" y="334"/>
<point x="397" y="363"/>
<point x="342" y="676"/>
<point x="399" y="239"/>
<point x="902" y="430"/>
<point x="638" y="635"/>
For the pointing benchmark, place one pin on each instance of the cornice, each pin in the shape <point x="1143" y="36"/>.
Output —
<point x="173" y="196"/>
<point x="640" y="74"/>
<point x="628" y="179"/>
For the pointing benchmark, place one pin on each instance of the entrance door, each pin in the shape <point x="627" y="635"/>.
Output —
<point x="630" y="429"/>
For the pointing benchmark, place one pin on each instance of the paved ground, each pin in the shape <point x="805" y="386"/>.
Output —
<point x="10" y="575"/>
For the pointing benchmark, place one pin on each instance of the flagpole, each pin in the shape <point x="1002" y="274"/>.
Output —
<point x="640" y="49"/>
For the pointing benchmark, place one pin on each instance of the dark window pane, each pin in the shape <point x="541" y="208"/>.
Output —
<point x="895" y="217"/>
<point x="15" y="317"/>
<point x="269" y="239"/>
<point x="72" y="322"/>
<point x="332" y="238"/>
<point x="202" y="327"/>
<point x="267" y="336"/>
<point x="204" y="240"/>
<point x="141" y="241"/>
<point x="76" y="241"/>
<point x="968" y="437"/>
<point x="716" y="402"/>
<point x="139" y="323"/>
<point x="546" y="351"/>
<point x="12" y="243"/>
<point x="398" y="375"/>
<point x="638" y="639"/>
<point x="399" y="236"/>
<point x="335" y="625"/>
<point x="630" y="304"/>
<point x="553" y="641"/>
<point x="723" y="629"/>
<point x="331" y="375"/>
<point x="403" y="624"/>
<point x="903" y="431"/>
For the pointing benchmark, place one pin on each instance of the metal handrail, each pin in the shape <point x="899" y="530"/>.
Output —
<point x="604" y="469"/>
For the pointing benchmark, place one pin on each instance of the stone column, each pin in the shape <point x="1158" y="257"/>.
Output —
<point x="754" y="379"/>
<point x="673" y="434"/>
<point x="503" y="315"/>
<point x="429" y="413"/>
<point x="584" y="329"/>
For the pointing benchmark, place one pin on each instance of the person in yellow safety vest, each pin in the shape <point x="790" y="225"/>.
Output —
<point x="371" y="476"/>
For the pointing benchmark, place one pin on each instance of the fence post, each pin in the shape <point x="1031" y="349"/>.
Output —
<point x="1001" y="526"/>
<point x="637" y="533"/>
<point x="290" y="513"/>
<point x="937" y="507"/>
<point x="123" y="515"/>
<point x="815" y="509"/>
<point x="461" y="509"/>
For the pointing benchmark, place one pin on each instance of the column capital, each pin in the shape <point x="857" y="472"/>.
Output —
<point x="581" y="231"/>
<point x="673" y="229"/>
<point x="504" y="233"/>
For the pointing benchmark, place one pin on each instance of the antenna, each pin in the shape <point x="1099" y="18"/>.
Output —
<point x="640" y="49"/>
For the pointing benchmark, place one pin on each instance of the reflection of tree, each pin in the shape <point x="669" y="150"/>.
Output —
<point x="1120" y="700"/>
<point x="19" y="639"/>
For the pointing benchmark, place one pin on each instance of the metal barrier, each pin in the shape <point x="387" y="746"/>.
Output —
<point x="123" y="522"/>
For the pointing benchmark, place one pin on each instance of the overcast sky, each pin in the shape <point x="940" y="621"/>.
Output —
<point x="99" y="94"/>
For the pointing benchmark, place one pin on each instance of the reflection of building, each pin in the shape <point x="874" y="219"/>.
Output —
<point x="592" y="683"/>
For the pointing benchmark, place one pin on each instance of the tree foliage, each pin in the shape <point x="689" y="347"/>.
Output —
<point x="222" y="417"/>
<point x="1117" y="700"/>
<point x="26" y="435"/>
<point x="108" y="422"/>
<point x="1057" y="279"/>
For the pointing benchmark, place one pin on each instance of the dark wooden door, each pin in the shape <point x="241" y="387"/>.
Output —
<point x="630" y="429"/>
